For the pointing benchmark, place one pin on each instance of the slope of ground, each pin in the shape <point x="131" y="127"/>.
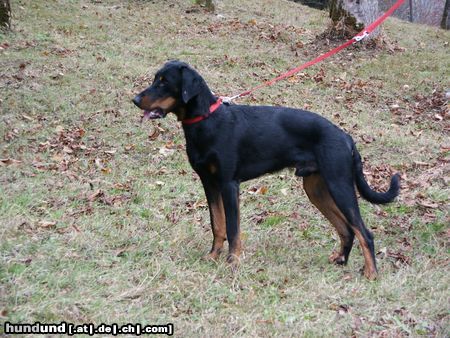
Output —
<point x="102" y="219"/>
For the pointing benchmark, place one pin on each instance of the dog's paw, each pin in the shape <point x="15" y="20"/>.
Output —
<point x="212" y="255"/>
<point x="370" y="274"/>
<point x="337" y="258"/>
<point x="234" y="261"/>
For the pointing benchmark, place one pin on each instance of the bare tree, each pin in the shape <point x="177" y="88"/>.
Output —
<point x="445" y="18"/>
<point x="428" y="12"/>
<point x="5" y="14"/>
<point x="351" y="16"/>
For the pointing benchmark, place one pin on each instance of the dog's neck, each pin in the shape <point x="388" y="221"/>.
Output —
<point x="199" y="104"/>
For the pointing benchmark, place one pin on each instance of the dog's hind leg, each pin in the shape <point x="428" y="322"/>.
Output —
<point x="217" y="214"/>
<point x="318" y="194"/>
<point x="343" y="193"/>
<point x="335" y="164"/>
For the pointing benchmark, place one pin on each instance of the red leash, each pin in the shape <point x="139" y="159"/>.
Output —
<point x="361" y="35"/>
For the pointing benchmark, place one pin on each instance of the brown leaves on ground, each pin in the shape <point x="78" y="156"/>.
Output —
<point x="431" y="108"/>
<point x="68" y="146"/>
<point x="261" y="30"/>
<point x="260" y="190"/>
<point x="260" y="217"/>
<point x="415" y="186"/>
<point x="419" y="108"/>
<point x="101" y="197"/>
<point x="416" y="179"/>
<point x="398" y="257"/>
<point x="8" y="161"/>
<point x="378" y="176"/>
<point x="341" y="309"/>
<point x="47" y="224"/>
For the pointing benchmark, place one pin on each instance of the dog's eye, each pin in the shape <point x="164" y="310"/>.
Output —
<point x="162" y="82"/>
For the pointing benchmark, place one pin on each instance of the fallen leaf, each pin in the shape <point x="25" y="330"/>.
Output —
<point x="422" y="164"/>
<point x="262" y="190"/>
<point x="98" y="163"/>
<point x="340" y="308"/>
<point x="8" y="161"/>
<point x="67" y="150"/>
<point x="47" y="224"/>
<point x="394" y="107"/>
<point x="347" y="277"/>
<point x="154" y="135"/>
<point x="428" y="204"/>
<point x="130" y="147"/>
<point x="200" y="204"/>
<point x="57" y="75"/>
<point x="400" y="258"/>
<point x="166" y="151"/>
<point x="438" y="117"/>
<point x="97" y="194"/>
<point x="367" y="138"/>
<point x="27" y="118"/>
<point x="159" y="183"/>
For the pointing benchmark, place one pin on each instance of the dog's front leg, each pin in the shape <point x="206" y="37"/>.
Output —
<point x="217" y="214"/>
<point x="230" y="197"/>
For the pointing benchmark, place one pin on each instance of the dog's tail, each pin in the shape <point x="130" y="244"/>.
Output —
<point x="364" y="189"/>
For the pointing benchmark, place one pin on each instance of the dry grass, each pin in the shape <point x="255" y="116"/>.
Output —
<point x="102" y="219"/>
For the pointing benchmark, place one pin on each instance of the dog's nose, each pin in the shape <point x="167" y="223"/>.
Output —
<point x="137" y="100"/>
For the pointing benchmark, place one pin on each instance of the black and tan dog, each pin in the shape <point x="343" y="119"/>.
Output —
<point x="228" y="144"/>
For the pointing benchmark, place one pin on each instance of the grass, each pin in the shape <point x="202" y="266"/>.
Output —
<point x="102" y="219"/>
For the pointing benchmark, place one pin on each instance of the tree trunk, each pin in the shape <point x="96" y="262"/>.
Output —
<point x="351" y="16"/>
<point x="5" y="14"/>
<point x="445" y="23"/>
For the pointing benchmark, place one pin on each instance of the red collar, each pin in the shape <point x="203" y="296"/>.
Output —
<point x="196" y="119"/>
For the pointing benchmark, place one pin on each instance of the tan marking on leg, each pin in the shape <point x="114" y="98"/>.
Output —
<point x="218" y="225"/>
<point x="319" y="195"/>
<point x="370" y="270"/>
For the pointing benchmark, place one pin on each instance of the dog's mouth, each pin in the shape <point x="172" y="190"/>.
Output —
<point x="157" y="113"/>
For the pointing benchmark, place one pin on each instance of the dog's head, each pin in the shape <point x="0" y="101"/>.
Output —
<point x="175" y="84"/>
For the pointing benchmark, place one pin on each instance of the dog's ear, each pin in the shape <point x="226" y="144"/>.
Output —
<point x="190" y="84"/>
